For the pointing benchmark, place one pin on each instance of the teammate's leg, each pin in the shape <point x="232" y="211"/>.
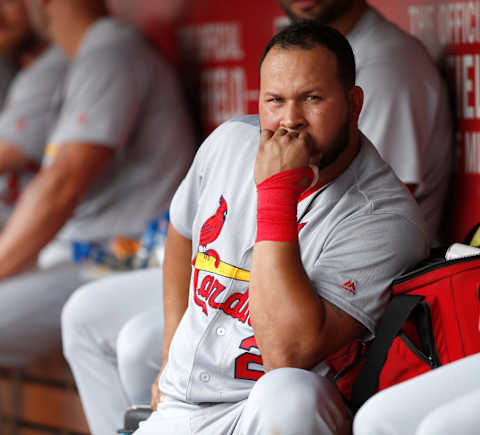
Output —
<point x="399" y="410"/>
<point x="139" y="353"/>
<point x="30" y="309"/>
<point x="292" y="401"/>
<point x="91" y="322"/>
<point x="457" y="417"/>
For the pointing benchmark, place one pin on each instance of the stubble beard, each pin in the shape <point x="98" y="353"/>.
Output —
<point x="337" y="147"/>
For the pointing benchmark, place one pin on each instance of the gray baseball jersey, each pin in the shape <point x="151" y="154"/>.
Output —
<point x="120" y="94"/>
<point x="406" y="111"/>
<point x="355" y="233"/>
<point x="33" y="103"/>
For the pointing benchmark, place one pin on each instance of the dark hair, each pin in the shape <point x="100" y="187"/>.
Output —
<point x="308" y="34"/>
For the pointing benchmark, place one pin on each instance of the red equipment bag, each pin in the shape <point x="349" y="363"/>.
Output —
<point x="431" y="320"/>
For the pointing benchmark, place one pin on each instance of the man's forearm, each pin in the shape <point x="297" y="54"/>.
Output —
<point x="287" y="315"/>
<point x="42" y="210"/>
<point x="293" y="325"/>
<point x="12" y="158"/>
<point x="47" y="203"/>
<point x="176" y="279"/>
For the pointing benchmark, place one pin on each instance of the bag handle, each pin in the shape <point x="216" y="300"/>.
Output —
<point x="396" y="314"/>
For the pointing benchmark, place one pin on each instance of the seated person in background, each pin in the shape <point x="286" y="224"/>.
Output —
<point x="31" y="103"/>
<point x="399" y="80"/>
<point x="406" y="113"/>
<point x="17" y="39"/>
<point x="118" y="148"/>
<point x="296" y="228"/>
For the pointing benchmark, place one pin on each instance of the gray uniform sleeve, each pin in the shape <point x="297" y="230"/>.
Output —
<point x="361" y="258"/>
<point x="32" y="104"/>
<point x="184" y="205"/>
<point x="103" y="99"/>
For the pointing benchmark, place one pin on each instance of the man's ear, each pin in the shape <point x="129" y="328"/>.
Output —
<point x="355" y="100"/>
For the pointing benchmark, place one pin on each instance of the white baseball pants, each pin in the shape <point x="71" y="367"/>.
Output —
<point x="445" y="401"/>
<point x="112" y="346"/>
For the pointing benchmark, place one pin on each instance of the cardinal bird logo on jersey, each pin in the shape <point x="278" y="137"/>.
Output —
<point x="212" y="227"/>
<point x="209" y="233"/>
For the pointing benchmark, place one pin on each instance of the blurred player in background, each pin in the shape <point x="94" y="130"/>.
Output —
<point x="30" y="107"/>
<point x="120" y="144"/>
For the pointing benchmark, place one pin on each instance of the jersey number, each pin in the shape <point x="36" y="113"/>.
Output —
<point x="243" y="361"/>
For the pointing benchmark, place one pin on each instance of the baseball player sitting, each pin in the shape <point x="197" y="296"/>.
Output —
<point x="295" y="228"/>
<point x="16" y="40"/>
<point x="119" y="146"/>
<point x="399" y="81"/>
<point x="31" y="101"/>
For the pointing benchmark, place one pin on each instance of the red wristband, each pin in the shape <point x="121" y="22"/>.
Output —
<point x="277" y="199"/>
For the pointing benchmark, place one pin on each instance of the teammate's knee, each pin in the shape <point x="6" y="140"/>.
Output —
<point x="453" y="417"/>
<point x="78" y="312"/>
<point x="434" y="426"/>
<point x="140" y="339"/>
<point x="131" y="347"/>
<point x="371" y="419"/>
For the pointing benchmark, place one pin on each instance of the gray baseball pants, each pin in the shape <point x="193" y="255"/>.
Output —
<point x="113" y="345"/>
<point x="31" y="304"/>
<point x="286" y="401"/>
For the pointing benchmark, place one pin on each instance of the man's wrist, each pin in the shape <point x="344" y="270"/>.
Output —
<point x="277" y="199"/>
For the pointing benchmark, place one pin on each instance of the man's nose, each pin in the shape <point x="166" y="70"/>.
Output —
<point x="292" y="117"/>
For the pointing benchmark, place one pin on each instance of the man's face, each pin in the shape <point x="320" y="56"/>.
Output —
<point x="323" y="11"/>
<point x="14" y="24"/>
<point x="300" y="91"/>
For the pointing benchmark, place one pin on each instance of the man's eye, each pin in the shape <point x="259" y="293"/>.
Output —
<point x="313" y="98"/>
<point x="275" y="100"/>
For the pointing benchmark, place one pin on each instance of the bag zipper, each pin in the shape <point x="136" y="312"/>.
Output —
<point x="428" y="359"/>
<point x="431" y="339"/>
